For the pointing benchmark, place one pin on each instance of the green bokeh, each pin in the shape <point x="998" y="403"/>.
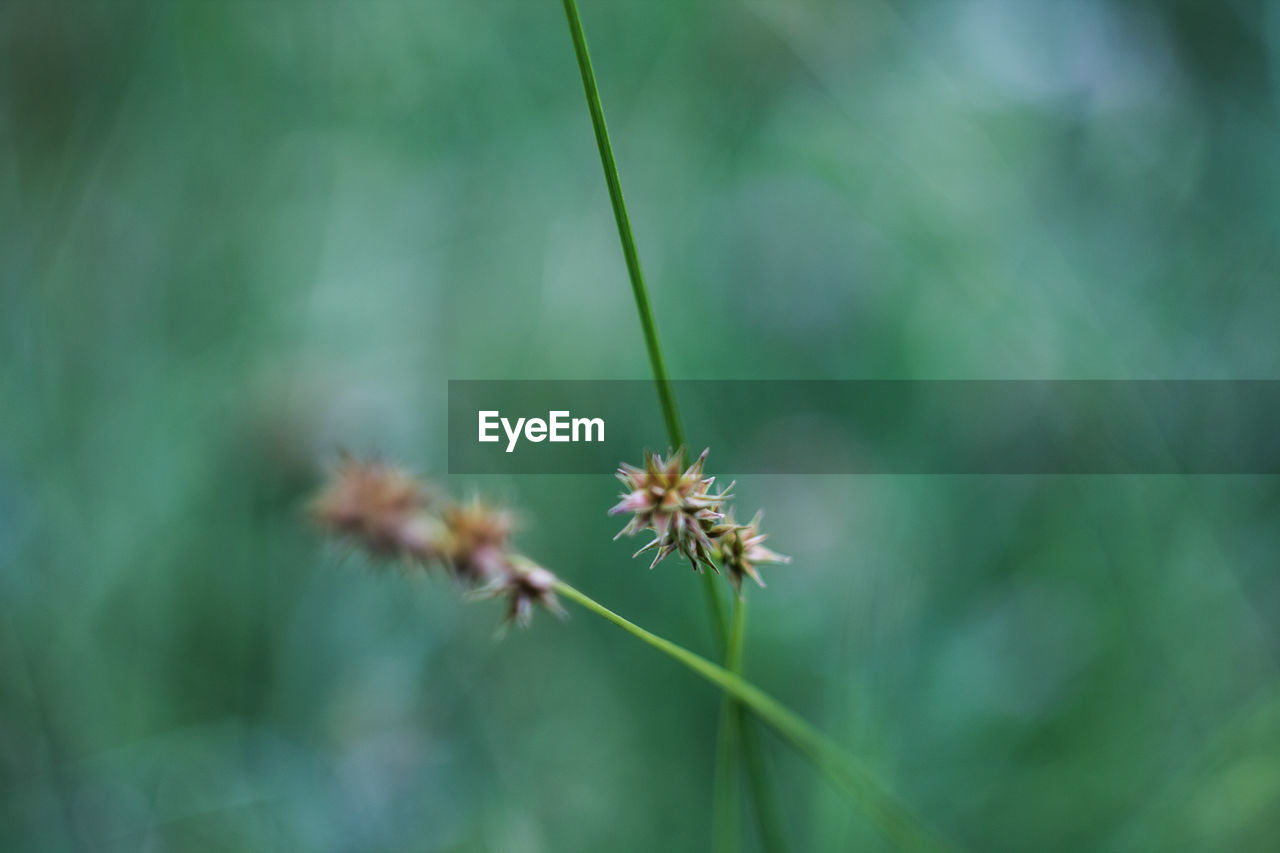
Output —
<point x="237" y="235"/>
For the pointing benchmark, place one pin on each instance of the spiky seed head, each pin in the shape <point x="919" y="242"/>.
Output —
<point x="525" y="585"/>
<point x="740" y="547"/>
<point x="380" y="506"/>
<point x="675" y="503"/>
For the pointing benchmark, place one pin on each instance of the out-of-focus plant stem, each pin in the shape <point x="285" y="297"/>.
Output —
<point x="897" y="823"/>
<point x="763" y="803"/>
<point x="726" y="829"/>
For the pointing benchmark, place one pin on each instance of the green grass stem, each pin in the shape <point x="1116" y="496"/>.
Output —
<point x="727" y="817"/>
<point x="725" y="754"/>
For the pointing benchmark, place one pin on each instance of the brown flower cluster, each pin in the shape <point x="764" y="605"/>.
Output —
<point x="687" y="517"/>
<point x="390" y="513"/>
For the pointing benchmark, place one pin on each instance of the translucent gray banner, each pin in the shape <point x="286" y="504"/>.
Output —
<point x="874" y="427"/>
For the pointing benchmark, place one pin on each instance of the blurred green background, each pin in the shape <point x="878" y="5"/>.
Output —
<point x="240" y="234"/>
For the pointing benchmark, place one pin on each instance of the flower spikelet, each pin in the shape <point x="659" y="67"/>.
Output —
<point x="478" y="538"/>
<point x="381" y="507"/>
<point x="524" y="584"/>
<point x="390" y="513"/>
<point x="740" y="547"/>
<point x="675" y="503"/>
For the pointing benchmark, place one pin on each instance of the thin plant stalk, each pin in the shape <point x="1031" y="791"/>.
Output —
<point x="763" y="803"/>
<point x="894" y="820"/>
<point x="715" y="608"/>
<point x="638" y="290"/>
<point x="675" y="433"/>
<point x="663" y="383"/>
<point x="727" y="837"/>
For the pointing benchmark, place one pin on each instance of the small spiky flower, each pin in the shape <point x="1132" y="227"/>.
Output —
<point x="677" y="505"/>
<point x="478" y="538"/>
<point x="381" y="507"/>
<point x="524" y="584"/>
<point x="740" y="547"/>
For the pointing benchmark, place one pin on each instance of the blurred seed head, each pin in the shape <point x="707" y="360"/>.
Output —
<point x="379" y="506"/>
<point x="389" y="513"/>
<point x="478" y="537"/>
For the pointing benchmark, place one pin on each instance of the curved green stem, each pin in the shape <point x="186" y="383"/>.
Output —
<point x="891" y="817"/>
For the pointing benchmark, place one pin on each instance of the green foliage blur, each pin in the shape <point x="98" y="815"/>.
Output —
<point x="239" y="235"/>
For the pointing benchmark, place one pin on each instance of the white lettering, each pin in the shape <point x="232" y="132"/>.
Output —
<point x="586" y="424"/>
<point x="559" y="427"/>
<point x="487" y="424"/>
<point x="513" y="435"/>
